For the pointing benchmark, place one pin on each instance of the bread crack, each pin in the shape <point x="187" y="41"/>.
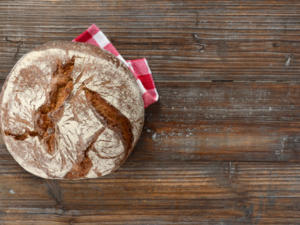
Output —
<point x="82" y="168"/>
<point x="61" y="87"/>
<point x="21" y="137"/>
<point x="111" y="117"/>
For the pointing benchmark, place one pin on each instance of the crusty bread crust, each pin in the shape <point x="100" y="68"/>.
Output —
<point x="70" y="111"/>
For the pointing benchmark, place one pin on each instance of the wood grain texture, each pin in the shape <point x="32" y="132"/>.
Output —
<point x="221" y="146"/>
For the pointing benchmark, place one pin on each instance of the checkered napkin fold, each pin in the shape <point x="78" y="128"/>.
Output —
<point x="139" y="67"/>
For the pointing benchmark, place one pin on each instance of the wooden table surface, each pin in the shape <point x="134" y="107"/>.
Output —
<point x="222" y="146"/>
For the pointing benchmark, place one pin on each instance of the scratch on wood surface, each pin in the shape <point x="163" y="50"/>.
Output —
<point x="54" y="192"/>
<point x="197" y="20"/>
<point x="231" y="170"/>
<point x="19" y="45"/>
<point x="282" y="146"/>
<point x="289" y="60"/>
<point x="154" y="136"/>
<point x="198" y="40"/>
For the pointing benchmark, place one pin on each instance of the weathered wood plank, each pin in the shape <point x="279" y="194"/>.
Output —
<point x="160" y="193"/>
<point x="183" y="40"/>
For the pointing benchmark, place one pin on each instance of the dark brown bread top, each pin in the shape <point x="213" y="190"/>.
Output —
<point x="70" y="110"/>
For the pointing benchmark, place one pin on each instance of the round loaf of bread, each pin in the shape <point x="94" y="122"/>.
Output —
<point x="70" y="111"/>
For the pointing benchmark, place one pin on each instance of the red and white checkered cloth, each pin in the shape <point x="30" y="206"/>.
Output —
<point x="139" y="67"/>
